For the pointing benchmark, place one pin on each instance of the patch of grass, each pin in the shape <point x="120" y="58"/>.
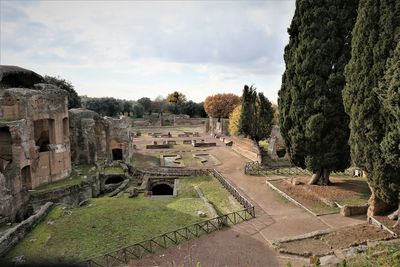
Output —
<point x="214" y="192"/>
<point x="114" y="171"/>
<point x="357" y="200"/>
<point x="322" y="208"/>
<point x="143" y="161"/>
<point x="379" y="256"/>
<point x="75" y="178"/>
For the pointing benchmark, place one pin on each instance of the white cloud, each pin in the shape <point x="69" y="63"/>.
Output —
<point x="149" y="48"/>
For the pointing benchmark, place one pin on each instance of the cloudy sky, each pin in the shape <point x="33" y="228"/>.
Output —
<point x="131" y="49"/>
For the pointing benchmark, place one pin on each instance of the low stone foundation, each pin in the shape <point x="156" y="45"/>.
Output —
<point x="70" y="195"/>
<point x="348" y="211"/>
<point x="12" y="236"/>
<point x="161" y="146"/>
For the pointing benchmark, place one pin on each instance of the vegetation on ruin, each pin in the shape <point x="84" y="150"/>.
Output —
<point x="371" y="93"/>
<point x="312" y="118"/>
<point x="115" y="170"/>
<point x="78" y="171"/>
<point x="74" y="100"/>
<point x="105" y="224"/>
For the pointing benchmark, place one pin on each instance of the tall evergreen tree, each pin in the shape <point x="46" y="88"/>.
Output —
<point x="245" y="122"/>
<point x="312" y="118"/>
<point x="373" y="140"/>
<point x="256" y="115"/>
<point x="264" y="120"/>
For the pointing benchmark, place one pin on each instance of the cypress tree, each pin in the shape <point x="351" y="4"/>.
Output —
<point x="256" y="117"/>
<point x="265" y="115"/>
<point x="245" y="122"/>
<point x="313" y="122"/>
<point x="373" y="139"/>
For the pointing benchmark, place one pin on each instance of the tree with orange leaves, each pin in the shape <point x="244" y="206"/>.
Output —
<point x="221" y="105"/>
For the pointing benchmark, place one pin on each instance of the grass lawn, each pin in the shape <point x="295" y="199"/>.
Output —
<point x="111" y="223"/>
<point x="75" y="178"/>
<point x="357" y="200"/>
<point x="114" y="171"/>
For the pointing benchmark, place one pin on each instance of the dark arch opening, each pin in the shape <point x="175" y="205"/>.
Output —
<point x="5" y="146"/>
<point x="114" y="180"/>
<point x="117" y="154"/>
<point x="162" y="190"/>
<point x="26" y="177"/>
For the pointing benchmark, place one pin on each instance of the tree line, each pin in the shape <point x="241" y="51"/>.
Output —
<point x="175" y="103"/>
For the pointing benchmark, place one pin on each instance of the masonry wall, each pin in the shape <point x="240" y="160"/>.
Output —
<point x="89" y="137"/>
<point x="32" y="124"/>
<point x="213" y="126"/>
<point x="246" y="147"/>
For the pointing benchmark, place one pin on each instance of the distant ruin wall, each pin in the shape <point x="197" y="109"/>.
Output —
<point x="213" y="126"/>
<point x="247" y="148"/>
<point x="12" y="236"/>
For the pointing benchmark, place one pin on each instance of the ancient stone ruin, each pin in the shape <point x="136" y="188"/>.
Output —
<point x="96" y="138"/>
<point x="34" y="137"/>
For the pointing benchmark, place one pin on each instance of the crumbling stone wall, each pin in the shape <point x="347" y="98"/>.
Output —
<point x="247" y="148"/>
<point x="121" y="138"/>
<point x="33" y="128"/>
<point x="99" y="138"/>
<point x="277" y="145"/>
<point x="213" y="126"/>
<point x="89" y="136"/>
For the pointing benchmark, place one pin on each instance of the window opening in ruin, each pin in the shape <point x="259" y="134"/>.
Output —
<point x="43" y="133"/>
<point x="162" y="190"/>
<point x="5" y="146"/>
<point x="117" y="154"/>
<point x="26" y="177"/>
<point x="114" y="180"/>
<point x="65" y="128"/>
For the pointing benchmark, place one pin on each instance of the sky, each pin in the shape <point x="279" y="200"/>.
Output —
<point x="134" y="49"/>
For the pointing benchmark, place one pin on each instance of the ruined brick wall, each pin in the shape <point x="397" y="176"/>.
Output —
<point x="276" y="143"/>
<point x="246" y="147"/>
<point x="89" y="136"/>
<point x="33" y="127"/>
<point x="121" y="138"/>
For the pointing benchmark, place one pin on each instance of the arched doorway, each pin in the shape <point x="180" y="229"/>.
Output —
<point x="117" y="154"/>
<point x="5" y="147"/>
<point x="26" y="179"/>
<point x="114" y="180"/>
<point x="162" y="190"/>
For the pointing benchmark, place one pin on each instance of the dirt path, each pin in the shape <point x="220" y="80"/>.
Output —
<point x="248" y="244"/>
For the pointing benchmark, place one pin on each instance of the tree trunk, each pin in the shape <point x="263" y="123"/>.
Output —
<point x="324" y="180"/>
<point x="315" y="177"/>
<point x="320" y="177"/>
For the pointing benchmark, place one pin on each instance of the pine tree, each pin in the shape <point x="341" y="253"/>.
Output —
<point x="373" y="139"/>
<point x="312" y="118"/>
